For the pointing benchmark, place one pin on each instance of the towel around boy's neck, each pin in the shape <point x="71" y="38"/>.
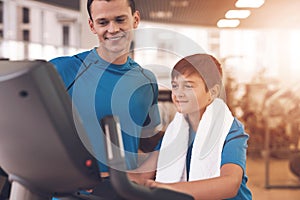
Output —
<point x="207" y="147"/>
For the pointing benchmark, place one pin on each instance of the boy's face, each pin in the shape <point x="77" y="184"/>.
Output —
<point x="189" y="94"/>
<point x="112" y="22"/>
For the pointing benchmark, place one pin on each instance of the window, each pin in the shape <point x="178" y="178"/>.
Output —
<point x="71" y="4"/>
<point x="66" y="35"/>
<point x="26" y="35"/>
<point x="1" y="12"/>
<point x="25" y="15"/>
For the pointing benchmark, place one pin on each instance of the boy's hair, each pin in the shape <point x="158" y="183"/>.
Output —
<point x="89" y="3"/>
<point x="205" y="65"/>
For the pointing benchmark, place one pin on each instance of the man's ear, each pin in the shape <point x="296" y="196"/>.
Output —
<point x="215" y="91"/>
<point x="91" y="25"/>
<point x="136" y="19"/>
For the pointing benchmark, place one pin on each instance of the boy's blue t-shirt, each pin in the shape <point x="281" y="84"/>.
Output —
<point x="99" y="88"/>
<point x="234" y="151"/>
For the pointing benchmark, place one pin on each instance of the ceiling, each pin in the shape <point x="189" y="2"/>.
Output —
<point x="278" y="14"/>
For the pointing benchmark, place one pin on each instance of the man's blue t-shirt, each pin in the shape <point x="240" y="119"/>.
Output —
<point x="99" y="88"/>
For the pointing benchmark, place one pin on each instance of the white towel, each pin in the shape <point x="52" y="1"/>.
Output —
<point x="207" y="148"/>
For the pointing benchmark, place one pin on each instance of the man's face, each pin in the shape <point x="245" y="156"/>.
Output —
<point x="112" y="22"/>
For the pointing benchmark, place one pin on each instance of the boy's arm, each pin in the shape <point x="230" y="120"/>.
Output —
<point x="223" y="187"/>
<point x="146" y="170"/>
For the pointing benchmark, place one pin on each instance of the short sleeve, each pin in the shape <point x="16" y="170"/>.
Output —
<point x="235" y="146"/>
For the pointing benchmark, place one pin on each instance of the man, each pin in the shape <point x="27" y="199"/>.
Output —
<point x="106" y="81"/>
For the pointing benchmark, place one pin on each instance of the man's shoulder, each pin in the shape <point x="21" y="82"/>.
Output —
<point x="145" y="71"/>
<point x="65" y="61"/>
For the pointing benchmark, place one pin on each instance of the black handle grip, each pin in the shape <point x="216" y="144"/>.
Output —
<point x="118" y="176"/>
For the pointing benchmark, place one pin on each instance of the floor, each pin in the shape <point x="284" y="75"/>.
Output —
<point x="279" y="176"/>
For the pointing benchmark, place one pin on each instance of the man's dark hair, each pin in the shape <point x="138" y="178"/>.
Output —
<point x="89" y="2"/>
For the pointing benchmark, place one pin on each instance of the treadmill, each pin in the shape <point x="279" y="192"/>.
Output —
<point x="41" y="148"/>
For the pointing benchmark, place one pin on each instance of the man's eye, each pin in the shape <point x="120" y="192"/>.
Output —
<point x="103" y="23"/>
<point x="188" y="86"/>
<point x="120" y="20"/>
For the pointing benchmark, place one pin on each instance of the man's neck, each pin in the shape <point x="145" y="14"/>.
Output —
<point x="117" y="58"/>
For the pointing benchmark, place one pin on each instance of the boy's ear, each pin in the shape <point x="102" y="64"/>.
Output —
<point x="215" y="91"/>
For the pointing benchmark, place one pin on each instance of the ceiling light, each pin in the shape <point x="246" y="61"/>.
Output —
<point x="179" y="3"/>
<point x="161" y="14"/>
<point x="240" y="14"/>
<point x="249" y="3"/>
<point x="228" y="23"/>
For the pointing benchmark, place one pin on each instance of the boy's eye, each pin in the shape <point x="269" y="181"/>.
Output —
<point x="188" y="86"/>
<point x="174" y="86"/>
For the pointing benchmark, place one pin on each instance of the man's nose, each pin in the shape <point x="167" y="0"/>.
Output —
<point x="113" y="27"/>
